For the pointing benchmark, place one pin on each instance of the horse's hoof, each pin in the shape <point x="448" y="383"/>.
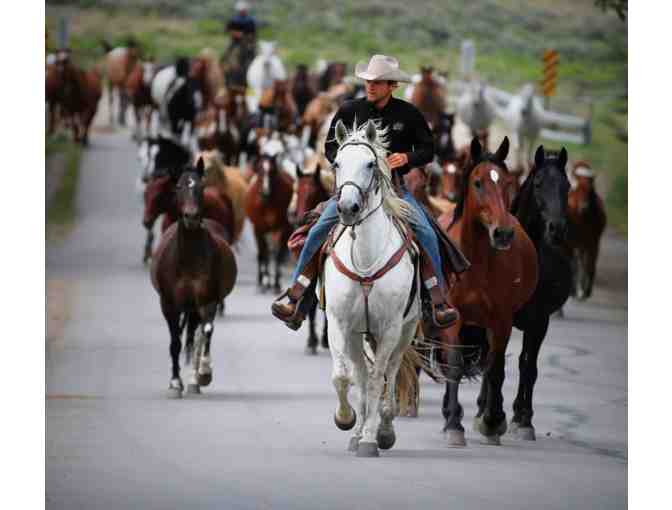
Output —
<point x="526" y="433"/>
<point x="386" y="438"/>
<point x="412" y="412"/>
<point x="488" y="432"/>
<point x="204" y="379"/>
<point x="353" y="444"/>
<point x="193" y="389"/>
<point x="311" y="350"/>
<point x="493" y="440"/>
<point x="348" y="425"/>
<point x="367" y="449"/>
<point x="174" y="393"/>
<point x="513" y="427"/>
<point x="455" y="438"/>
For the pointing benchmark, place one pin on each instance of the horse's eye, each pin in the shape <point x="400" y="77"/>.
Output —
<point x="477" y="184"/>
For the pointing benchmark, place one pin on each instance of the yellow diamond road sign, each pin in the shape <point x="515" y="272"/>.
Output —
<point x="551" y="59"/>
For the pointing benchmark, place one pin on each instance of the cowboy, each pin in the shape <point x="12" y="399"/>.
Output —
<point x="242" y="24"/>
<point x="410" y="145"/>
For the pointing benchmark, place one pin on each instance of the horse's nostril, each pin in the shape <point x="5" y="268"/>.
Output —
<point x="355" y="208"/>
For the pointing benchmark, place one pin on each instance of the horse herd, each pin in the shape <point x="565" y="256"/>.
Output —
<point x="532" y="237"/>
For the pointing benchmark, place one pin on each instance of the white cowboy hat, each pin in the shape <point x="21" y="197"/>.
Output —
<point x="242" y="6"/>
<point x="381" y="67"/>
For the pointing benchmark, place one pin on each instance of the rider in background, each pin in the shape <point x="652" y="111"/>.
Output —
<point x="242" y="26"/>
<point x="243" y="30"/>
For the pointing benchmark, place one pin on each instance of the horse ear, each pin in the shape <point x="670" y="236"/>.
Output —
<point x="539" y="157"/>
<point x="476" y="150"/>
<point x="562" y="158"/>
<point x="503" y="150"/>
<point x="341" y="132"/>
<point x="370" y="131"/>
<point x="200" y="167"/>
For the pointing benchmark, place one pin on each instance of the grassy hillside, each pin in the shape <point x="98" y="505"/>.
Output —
<point x="510" y="37"/>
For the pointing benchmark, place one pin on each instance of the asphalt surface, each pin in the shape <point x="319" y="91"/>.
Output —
<point x="261" y="435"/>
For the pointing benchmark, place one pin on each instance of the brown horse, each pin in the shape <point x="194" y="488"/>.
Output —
<point x="587" y="221"/>
<point x="139" y="93"/>
<point x="314" y="116"/>
<point x="79" y="95"/>
<point x="428" y="96"/>
<point x="266" y="204"/>
<point x="302" y="88"/>
<point x="279" y="101"/>
<point x="119" y="63"/>
<point x="192" y="270"/>
<point x="206" y="72"/>
<point x="501" y="279"/>
<point x="311" y="190"/>
<point x="214" y="131"/>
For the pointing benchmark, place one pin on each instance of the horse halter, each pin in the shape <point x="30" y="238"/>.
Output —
<point x="364" y="193"/>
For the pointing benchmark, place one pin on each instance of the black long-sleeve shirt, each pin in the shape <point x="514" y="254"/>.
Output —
<point x="408" y="130"/>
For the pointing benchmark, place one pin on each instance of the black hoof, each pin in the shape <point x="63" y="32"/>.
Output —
<point x="367" y="450"/>
<point x="490" y="432"/>
<point x="193" y="389"/>
<point x="346" y="426"/>
<point x="386" y="438"/>
<point x="204" y="379"/>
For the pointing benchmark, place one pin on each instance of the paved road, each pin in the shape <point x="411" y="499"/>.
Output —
<point x="262" y="436"/>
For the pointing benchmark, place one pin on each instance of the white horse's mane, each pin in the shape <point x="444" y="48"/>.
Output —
<point x="393" y="205"/>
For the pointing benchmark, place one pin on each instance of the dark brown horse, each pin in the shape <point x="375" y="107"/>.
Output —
<point x="266" y="204"/>
<point x="310" y="191"/>
<point x="587" y="221"/>
<point x="302" y="88"/>
<point x="193" y="270"/>
<point x="80" y="92"/>
<point x="501" y="279"/>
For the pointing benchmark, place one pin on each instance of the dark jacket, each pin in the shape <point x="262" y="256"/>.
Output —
<point x="408" y="131"/>
<point x="244" y="24"/>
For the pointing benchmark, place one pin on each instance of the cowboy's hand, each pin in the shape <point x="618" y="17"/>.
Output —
<point x="397" y="160"/>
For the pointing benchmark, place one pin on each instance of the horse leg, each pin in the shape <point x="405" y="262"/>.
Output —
<point x="521" y="423"/>
<point x="345" y="416"/>
<point x="311" y="347"/>
<point x="205" y="366"/>
<point x="172" y="317"/>
<point x="493" y="422"/>
<point x="325" y="333"/>
<point x="262" y="258"/>
<point x="123" y="105"/>
<point x="110" y="102"/>
<point x="368" y="446"/>
<point x="591" y="265"/>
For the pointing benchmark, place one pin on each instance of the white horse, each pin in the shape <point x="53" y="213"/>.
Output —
<point x="263" y="71"/>
<point x="475" y="108"/>
<point x="366" y="205"/>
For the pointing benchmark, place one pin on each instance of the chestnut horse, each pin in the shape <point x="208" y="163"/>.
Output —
<point x="428" y="96"/>
<point x="266" y="204"/>
<point x="587" y="221"/>
<point x="80" y="92"/>
<point x="193" y="270"/>
<point x="140" y="95"/>
<point x="541" y="209"/>
<point x="501" y="279"/>
<point x="119" y="63"/>
<point x="311" y="191"/>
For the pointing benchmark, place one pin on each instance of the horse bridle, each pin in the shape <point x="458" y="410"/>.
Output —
<point x="364" y="193"/>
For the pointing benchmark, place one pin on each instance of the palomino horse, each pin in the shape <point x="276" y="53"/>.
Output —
<point x="80" y="92"/>
<point x="193" y="270"/>
<point x="541" y="209"/>
<point x="312" y="190"/>
<point x="140" y="95"/>
<point x="177" y="97"/>
<point x="368" y="279"/>
<point x="262" y="73"/>
<point x="501" y="279"/>
<point x="266" y="204"/>
<point x="587" y="221"/>
<point x="428" y="96"/>
<point x="119" y="63"/>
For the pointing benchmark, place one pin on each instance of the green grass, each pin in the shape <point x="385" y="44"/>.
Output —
<point x="510" y="37"/>
<point x="62" y="211"/>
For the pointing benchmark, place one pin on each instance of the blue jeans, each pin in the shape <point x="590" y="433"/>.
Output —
<point x="419" y="223"/>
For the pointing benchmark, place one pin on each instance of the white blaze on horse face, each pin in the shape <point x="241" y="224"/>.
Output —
<point x="147" y="72"/>
<point x="266" y="183"/>
<point x="353" y="166"/>
<point x="452" y="169"/>
<point x="494" y="176"/>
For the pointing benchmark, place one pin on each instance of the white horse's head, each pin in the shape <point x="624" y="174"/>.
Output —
<point x="362" y="173"/>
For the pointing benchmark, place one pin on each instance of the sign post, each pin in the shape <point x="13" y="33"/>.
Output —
<point x="551" y="59"/>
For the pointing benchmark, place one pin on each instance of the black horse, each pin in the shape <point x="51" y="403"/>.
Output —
<point x="541" y="209"/>
<point x="182" y="98"/>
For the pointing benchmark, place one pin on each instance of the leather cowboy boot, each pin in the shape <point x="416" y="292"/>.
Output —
<point x="443" y="315"/>
<point x="290" y="313"/>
